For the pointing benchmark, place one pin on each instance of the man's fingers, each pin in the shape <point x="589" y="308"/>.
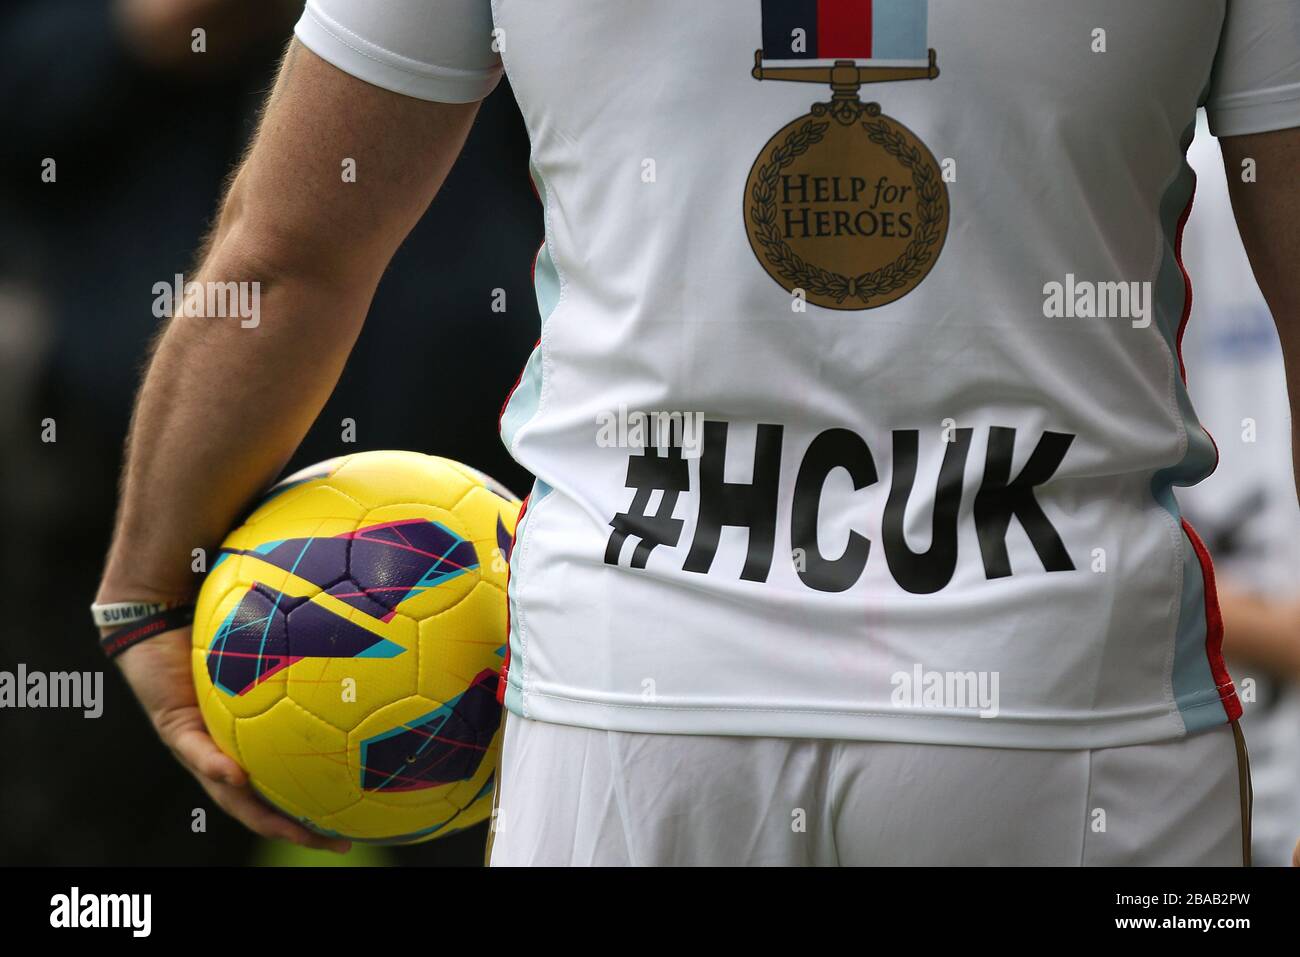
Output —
<point x="159" y="673"/>
<point x="244" y="806"/>
<point x="183" y="731"/>
<point x="198" y="752"/>
<point x="227" y="784"/>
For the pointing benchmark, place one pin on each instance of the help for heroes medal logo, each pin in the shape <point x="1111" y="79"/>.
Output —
<point x="846" y="203"/>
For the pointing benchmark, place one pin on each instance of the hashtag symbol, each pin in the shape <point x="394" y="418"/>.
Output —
<point x="647" y="473"/>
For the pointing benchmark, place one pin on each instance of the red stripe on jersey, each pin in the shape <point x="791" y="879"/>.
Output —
<point x="1187" y="303"/>
<point x="844" y="29"/>
<point x="1213" y="614"/>
<point x="1214" y="627"/>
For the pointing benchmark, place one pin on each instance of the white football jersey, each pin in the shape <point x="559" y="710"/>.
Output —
<point x="858" y="406"/>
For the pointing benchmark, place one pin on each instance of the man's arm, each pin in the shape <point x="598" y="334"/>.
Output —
<point x="1268" y="217"/>
<point x="202" y="444"/>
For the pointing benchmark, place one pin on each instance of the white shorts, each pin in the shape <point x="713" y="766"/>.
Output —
<point x="577" y="796"/>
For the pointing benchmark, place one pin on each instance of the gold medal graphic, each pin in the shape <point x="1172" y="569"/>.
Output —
<point x="845" y="203"/>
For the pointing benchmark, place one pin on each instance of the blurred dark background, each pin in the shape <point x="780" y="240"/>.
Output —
<point x="143" y="132"/>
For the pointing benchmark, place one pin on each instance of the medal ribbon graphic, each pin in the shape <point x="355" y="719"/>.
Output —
<point x="845" y="207"/>
<point x="884" y="33"/>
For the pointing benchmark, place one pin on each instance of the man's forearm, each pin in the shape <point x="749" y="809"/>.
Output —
<point x="221" y="410"/>
<point x="339" y="172"/>
<point x="1267" y="208"/>
<point x="225" y="402"/>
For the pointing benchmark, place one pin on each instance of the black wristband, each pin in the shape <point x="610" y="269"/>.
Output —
<point x="116" y="642"/>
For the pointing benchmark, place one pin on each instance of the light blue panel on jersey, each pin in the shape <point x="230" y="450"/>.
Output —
<point x="898" y="30"/>
<point x="521" y="408"/>
<point x="523" y="401"/>
<point x="528" y="393"/>
<point x="1195" y="691"/>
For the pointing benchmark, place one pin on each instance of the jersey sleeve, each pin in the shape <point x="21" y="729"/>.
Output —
<point x="1256" y="83"/>
<point x="441" y="50"/>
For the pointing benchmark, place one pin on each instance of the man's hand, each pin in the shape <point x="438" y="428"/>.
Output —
<point x="202" y="444"/>
<point x="158" y="671"/>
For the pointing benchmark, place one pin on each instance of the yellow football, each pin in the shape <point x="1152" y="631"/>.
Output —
<point x="348" y="640"/>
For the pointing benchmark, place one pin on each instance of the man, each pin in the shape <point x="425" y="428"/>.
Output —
<point x="899" y="576"/>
